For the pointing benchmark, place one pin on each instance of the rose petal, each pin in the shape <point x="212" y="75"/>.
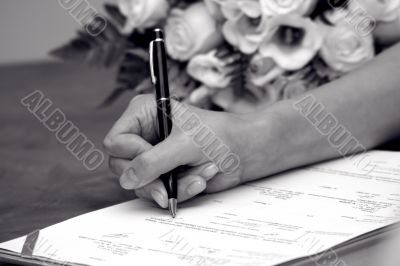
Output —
<point x="292" y="57"/>
<point x="142" y="13"/>
<point x="344" y="50"/>
<point x="191" y="31"/>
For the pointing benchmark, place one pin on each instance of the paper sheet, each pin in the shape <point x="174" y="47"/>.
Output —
<point x="270" y="221"/>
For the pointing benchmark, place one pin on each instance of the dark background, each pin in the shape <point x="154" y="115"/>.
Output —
<point x="41" y="182"/>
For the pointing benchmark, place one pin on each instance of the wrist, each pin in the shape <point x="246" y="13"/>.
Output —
<point x="278" y="136"/>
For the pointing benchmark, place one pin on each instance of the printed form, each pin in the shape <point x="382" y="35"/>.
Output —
<point x="267" y="222"/>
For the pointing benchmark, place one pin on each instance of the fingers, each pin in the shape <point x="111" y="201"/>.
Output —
<point x="223" y="182"/>
<point x="207" y="171"/>
<point x="188" y="187"/>
<point x="162" y="158"/>
<point x="154" y="191"/>
<point x="135" y="129"/>
<point x="118" y="165"/>
<point x="122" y="148"/>
<point x="139" y="163"/>
<point x="126" y="146"/>
<point x="138" y="116"/>
<point x="191" y="183"/>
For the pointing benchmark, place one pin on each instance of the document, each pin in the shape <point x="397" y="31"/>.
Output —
<point x="274" y="220"/>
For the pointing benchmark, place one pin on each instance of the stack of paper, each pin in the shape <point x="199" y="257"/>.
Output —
<point x="271" y="221"/>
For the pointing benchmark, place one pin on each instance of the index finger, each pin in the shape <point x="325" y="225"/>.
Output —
<point x="138" y="118"/>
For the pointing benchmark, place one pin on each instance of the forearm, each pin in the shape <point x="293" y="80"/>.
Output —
<point x="365" y="102"/>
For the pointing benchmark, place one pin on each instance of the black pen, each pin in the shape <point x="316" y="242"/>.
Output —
<point x="159" y="77"/>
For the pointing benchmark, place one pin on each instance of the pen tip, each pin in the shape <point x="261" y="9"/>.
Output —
<point x="172" y="205"/>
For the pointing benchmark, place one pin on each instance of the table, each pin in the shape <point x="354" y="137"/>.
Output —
<point x="41" y="183"/>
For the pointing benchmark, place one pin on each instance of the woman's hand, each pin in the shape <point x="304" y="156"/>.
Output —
<point x="219" y="150"/>
<point x="279" y="138"/>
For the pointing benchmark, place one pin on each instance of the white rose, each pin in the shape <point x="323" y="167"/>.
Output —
<point x="245" y="33"/>
<point x="191" y="31"/>
<point x="214" y="8"/>
<point x="344" y="50"/>
<point x="142" y="13"/>
<point x="232" y="9"/>
<point x="210" y="70"/>
<point x="283" y="7"/>
<point x="363" y="23"/>
<point x="380" y="10"/>
<point x="335" y="16"/>
<point x="292" y="41"/>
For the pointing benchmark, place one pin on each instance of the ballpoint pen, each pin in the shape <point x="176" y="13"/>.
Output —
<point x="159" y="77"/>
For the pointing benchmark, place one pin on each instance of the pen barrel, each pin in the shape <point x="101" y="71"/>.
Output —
<point x="164" y="110"/>
<point x="165" y="126"/>
<point x="164" y="116"/>
<point x="160" y="69"/>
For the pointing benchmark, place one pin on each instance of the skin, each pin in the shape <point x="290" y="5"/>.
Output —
<point x="269" y="141"/>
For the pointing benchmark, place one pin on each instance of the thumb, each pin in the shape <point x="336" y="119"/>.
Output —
<point x="162" y="158"/>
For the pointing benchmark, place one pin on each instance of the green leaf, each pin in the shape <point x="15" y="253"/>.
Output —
<point x="115" y="14"/>
<point x="133" y="74"/>
<point x="104" y="50"/>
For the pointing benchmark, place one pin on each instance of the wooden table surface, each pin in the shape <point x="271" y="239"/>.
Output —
<point x="41" y="183"/>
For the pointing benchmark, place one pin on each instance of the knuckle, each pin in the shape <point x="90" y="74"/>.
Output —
<point x="135" y="99"/>
<point x="145" y="161"/>
<point x="181" y="137"/>
<point x="140" y="98"/>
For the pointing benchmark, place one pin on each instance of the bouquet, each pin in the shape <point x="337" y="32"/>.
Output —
<point x="235" y="55"/>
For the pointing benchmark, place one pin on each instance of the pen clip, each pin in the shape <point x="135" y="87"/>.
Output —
<point x="152" y="75"/>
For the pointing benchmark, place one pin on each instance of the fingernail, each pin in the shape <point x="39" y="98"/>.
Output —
<point x="129" y="180"/>
<point x="210" y="171"/>
<point x="159" y="198"/>
<point x="196" y="187"/>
